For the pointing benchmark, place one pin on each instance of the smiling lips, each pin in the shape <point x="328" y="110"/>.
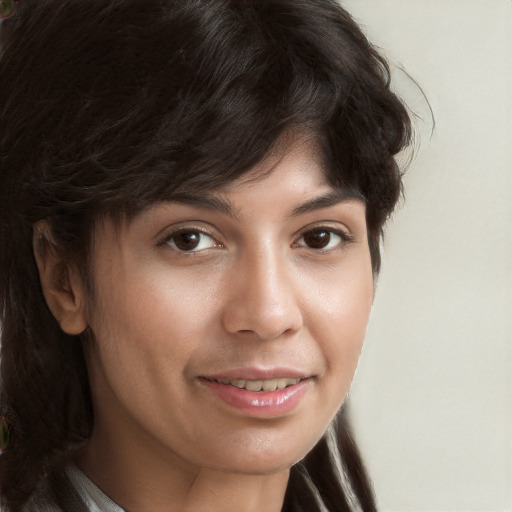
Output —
<point x="261" y="398"/>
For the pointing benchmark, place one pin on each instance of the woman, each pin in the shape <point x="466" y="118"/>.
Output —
<point x="193" y="195"/>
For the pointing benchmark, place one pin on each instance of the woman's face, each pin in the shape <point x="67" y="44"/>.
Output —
<point x="227" y="329"/>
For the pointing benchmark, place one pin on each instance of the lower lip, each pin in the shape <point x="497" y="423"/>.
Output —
<point x="263" y="404"/>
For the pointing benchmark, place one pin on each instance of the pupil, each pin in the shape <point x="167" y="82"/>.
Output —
<point x="317" y="239"/>
<point x="187" y="240"/>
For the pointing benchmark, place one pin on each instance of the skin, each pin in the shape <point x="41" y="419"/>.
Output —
<point x="252" y="294"/>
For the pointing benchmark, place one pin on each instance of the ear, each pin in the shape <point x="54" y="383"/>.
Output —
<point x="63" y="286"/>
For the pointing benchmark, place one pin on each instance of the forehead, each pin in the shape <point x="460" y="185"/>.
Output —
<point x="293" y="176"/>
<point x="291" y="148"/>
<point x="282" y="187"/>
<point x="296" y="167"/>
<point x="297" y="175"/>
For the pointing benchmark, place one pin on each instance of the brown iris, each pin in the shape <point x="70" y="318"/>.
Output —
<point x="187" y="240"/>
<point x="317" y="238"/>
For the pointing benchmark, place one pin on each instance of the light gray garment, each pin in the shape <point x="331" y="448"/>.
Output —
<point x="91" y="498"/>
<point x="95" y="499"/>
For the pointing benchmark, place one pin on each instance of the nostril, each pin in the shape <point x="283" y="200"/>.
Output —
<point x="246" y="320"/>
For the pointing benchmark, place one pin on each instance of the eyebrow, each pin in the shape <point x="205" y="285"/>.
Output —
<point x="225" y="206"/>
<point x="208" y="202"/>
<point x="331" y="198"/>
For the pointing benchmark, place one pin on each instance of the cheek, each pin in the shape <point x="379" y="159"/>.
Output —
<point x="340" y="308"/>
<point x="148" y="328"/>
<point x="149" y="325"/>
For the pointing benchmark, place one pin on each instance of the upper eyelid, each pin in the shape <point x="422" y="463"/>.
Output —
<point x="180" y="227"/>
<point x="166" y="236"/>
<point x="346" y="237"/>
<point x="333" y="226"/>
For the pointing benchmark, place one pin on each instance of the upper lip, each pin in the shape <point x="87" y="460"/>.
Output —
<point x="254" y="373"/>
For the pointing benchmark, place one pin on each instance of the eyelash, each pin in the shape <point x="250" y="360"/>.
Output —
<point x="169" y="239"/>
<point x="344" y="238"/>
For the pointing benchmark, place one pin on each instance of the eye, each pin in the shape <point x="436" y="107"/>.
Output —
<point x="189" y="240"/>
<point x="322" y="238"/>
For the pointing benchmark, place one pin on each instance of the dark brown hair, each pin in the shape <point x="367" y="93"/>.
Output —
<point x="110" y="106"/>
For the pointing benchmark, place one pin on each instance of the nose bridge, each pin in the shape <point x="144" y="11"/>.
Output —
<point x="264" y="299"/>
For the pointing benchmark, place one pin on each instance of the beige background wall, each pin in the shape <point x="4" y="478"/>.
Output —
<point x="432" y="399"/>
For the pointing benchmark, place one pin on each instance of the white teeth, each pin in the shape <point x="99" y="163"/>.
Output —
<point x="290" y="382"/>
<point x="260" y="385"/>
<point x="269" y="385"/>
<point x="281" y="383"/>
<point x="253" y="385"/>
<point x="239" y="383"/>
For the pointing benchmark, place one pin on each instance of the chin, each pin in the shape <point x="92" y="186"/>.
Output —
<point x="268" y="458"/>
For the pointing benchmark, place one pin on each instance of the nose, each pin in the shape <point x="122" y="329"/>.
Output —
<point x="263" y="297"/>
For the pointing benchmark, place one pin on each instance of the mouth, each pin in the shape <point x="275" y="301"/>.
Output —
<point x="259" y="385"/>
<point x="261" y="398"/>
